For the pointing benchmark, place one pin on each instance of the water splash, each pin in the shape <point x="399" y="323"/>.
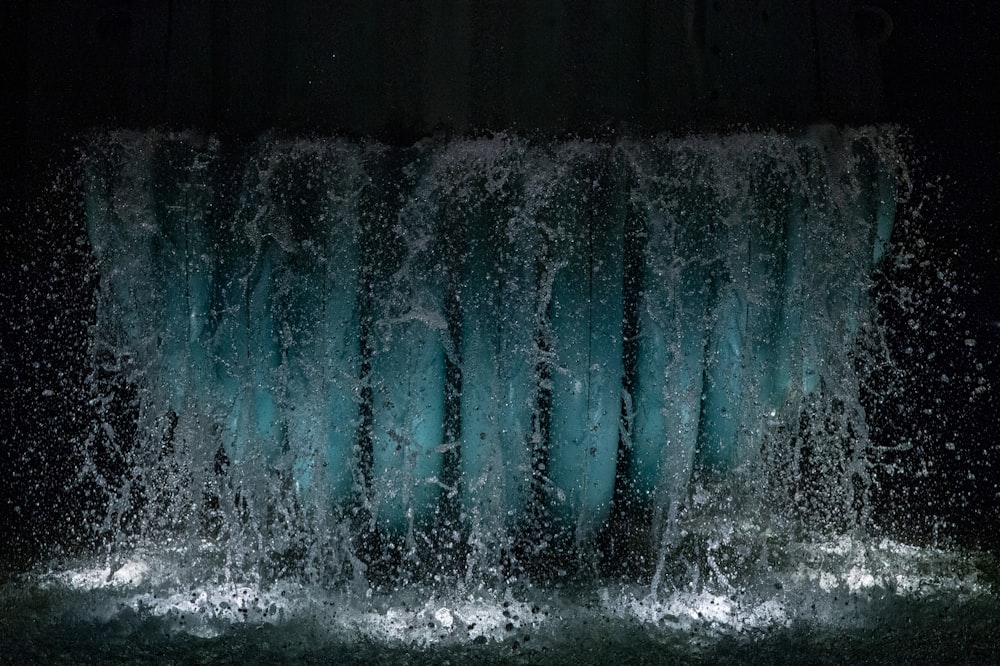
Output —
<point x="483" y="358"/>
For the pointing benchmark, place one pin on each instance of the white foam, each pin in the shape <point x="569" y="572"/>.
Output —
<point x="825" y="575"/>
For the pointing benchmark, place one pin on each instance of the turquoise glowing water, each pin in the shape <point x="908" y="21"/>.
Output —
<point x="497" y="399"/>
<point x="507" y="329"/>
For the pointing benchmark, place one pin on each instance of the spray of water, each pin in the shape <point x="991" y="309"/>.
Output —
<point x="484" y="354"/>
<point x="494" y="389"/>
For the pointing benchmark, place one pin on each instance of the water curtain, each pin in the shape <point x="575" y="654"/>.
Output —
<point x="467" y="339"/>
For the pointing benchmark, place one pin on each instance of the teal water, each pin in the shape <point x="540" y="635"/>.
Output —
<point x="508" y="330"/>
<point x="498" y="399"/>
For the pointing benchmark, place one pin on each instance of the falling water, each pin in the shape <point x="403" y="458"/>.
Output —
<point x="483" y="389"/>
<point x="436" y="339"/>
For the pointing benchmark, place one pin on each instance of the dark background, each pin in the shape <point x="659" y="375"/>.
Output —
<point x="397" y="71"/>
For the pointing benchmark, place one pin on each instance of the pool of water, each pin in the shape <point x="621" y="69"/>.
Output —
<point x="842" y="601"/>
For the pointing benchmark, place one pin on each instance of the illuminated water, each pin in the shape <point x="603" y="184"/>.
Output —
<point x="825" y="602"/>
<point x="492" y="399"/>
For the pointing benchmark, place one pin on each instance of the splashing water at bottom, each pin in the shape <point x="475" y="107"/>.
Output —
<point x="501" y="400"/>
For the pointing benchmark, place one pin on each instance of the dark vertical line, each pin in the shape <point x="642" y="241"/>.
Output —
<point x="369" y="544"/>
<point x="451" y="471"/>
<point x="372" y="198"/>
<point x="187" y="293"/>
<point x="590" y="299"/>
<point x="710" y="304"/>
<point x="539" y="522"/>
<point x="617" y="541"/>
<point x="366" y="421"/>
<point x="501" y="287"/>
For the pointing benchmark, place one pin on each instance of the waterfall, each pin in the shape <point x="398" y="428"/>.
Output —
<point x="471" y="351"/>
